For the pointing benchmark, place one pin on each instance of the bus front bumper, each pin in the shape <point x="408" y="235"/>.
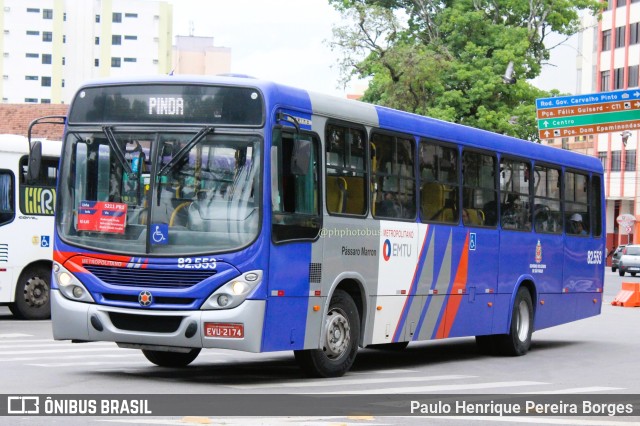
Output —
<point x="181" y="329"/>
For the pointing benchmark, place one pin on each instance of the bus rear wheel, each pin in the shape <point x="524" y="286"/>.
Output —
<point x="341" y="331"/>
<point x="518" y="341"/>
<point x="171" y="359"/>
<point x="33" y="291"/>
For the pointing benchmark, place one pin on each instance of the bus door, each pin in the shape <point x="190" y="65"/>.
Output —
<point x="295" y="225"/>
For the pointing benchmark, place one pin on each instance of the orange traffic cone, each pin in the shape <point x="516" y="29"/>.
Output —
<point x="629" y="295"/>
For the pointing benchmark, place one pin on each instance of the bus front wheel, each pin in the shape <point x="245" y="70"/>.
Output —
<point x="32" y="294"/>
<point x="341" y="331"/>
<point x="171" y="359"/>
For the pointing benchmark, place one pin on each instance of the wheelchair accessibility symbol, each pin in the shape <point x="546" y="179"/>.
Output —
<point x="45" y="241"/>
<point x="159" y="234"/>
<point x="472" y="241"/>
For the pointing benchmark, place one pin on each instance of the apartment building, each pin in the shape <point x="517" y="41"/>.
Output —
<point x="51" y="46"/>
<point x="199" y="55"/>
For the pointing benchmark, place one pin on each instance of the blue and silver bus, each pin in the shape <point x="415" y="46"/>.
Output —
<point x="229" y="212"/>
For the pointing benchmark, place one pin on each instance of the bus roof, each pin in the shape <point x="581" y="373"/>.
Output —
<point x="18" y="144"/>
<point x="377" y="116"/>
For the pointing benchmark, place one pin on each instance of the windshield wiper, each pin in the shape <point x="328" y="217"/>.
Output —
<point x="113" y="143"/>
<point x="185" y="149"/>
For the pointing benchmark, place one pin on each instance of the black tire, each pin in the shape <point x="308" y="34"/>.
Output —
<point x="171" y="359"/>
<point x="518" y="341"/>
<point x="633" y="274"/>
<point x="613" y="269"/>
<point x="341" y="331"/>
<point x="621" y="273"/>
<point x="33" y="294"/>
<point x="395" y="346"/>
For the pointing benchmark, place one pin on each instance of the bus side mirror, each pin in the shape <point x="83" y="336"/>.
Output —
<point x="301" y="157"/>
<point x="35" y="161"/>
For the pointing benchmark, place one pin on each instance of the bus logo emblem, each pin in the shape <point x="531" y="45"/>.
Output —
<point x="145" y="298"/>
<point x="386" y="250"/>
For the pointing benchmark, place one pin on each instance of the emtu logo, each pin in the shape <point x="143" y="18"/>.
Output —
<point x="386" y="250"/>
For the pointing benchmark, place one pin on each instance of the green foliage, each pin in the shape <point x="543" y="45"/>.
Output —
<point x="446" y="58"/>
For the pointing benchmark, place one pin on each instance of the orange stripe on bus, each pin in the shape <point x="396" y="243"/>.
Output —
<point x="454" y="299"/>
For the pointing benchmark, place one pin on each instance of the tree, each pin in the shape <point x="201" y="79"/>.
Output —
<point x="446" y="59"/>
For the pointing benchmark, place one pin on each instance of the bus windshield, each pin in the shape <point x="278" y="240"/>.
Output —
<point x="173" y="193"/>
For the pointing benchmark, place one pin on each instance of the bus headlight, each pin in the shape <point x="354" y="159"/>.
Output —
<point x="234" y="292"/>
<point x="69" y="285"/>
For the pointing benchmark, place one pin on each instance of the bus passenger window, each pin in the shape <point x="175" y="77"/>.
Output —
<point x="393" y="192"/>
<point x="576" y="204"/>
<point x="438" y="183"/>
<point x="346" y="170"/>
<point x="7" y="210"/>
<point x="479" y="192"/>
<point x="514" y="194"/>
<point x="547" y="217"/>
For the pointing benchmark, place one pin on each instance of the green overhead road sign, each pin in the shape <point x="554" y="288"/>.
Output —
<point x="590" y="119"/>
<point x="588" y="114"/>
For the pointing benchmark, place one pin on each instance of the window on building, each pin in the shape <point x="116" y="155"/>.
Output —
<point x="47" y="13"/>
<point x="610" y="4"/>
<point x="621" y="3"/>
<point x="31" y="77"/>
<point x="32" y="55"/>
<point x="46" y="81"/>
<point x="605" y="78"/>
<point x="47" y="36"/>
<point x="130" y="15"/>
<point x="64" y="38"/>
<point x="45" y="101"/>
<point x="46" y="58"/>
<point x="630" y="160"/>
<point x="33" y="10"/>
<point x="602" y="156"/>
<point x="620" y="36"/>
<point x="31" y="100"/>
<point x="130" y="37"/>
<point x="130" y="60"/>
<point x="633" y="76"/>
<point x="96" y="62"/>
<point x="64" y="60"/>
<point x="634" y="33"/>
<point x="97" y="19"/>
<point x="36" y="33"/>
<point x="618" y="78"/>
<point x="97" y="41"/>
<point x="116" y="17"/>
<point x="606" y="40"/>
<point x="115" y="62"/>
<point x="615" y="161"/>
<point x="116" y="39"/>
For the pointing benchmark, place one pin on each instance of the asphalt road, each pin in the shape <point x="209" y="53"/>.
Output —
<point x="595" y="356"/>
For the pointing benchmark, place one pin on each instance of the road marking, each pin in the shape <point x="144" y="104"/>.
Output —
<point x="345" y="382"/>
<point x="439" y="388"/>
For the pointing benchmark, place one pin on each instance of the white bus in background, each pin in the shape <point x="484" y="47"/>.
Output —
<point x="26" y="227"/>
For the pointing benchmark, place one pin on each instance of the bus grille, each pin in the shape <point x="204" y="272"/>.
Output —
<point x="148" y="323"/>
<point x="157" y="278"/>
